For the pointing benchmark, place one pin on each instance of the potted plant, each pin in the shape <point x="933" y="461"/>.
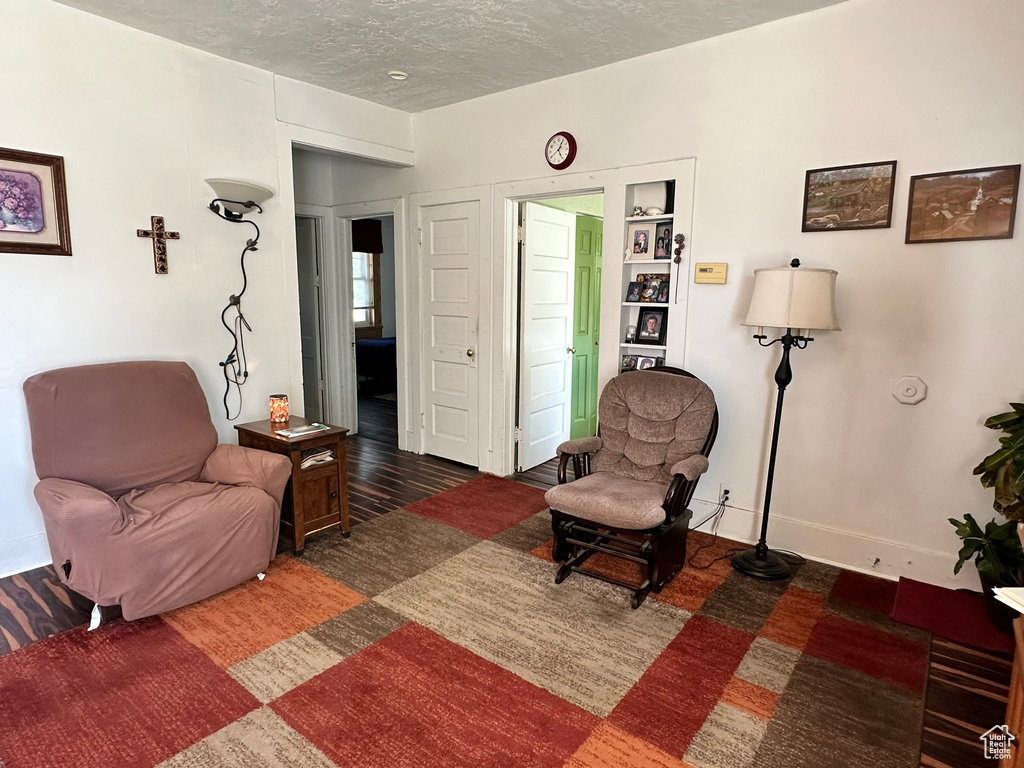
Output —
<point x="996" y="548"/>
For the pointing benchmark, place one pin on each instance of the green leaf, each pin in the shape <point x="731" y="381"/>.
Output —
<point x="988" y="477"/>
<point x="1007" y="420"/>
<point x="997" y="458"/>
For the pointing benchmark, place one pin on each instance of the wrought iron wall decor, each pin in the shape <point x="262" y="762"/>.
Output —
<point x="234" y="365"/>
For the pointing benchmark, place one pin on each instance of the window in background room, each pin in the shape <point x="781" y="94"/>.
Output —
<point x="365" y="289"/>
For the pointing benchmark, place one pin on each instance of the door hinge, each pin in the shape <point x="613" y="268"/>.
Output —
<point x="419" y="235"/>
<point x="519" y="434"/>
<point x="316" y="281"/>
<point x="521" y="238"/>
<point x="423" y="420"/>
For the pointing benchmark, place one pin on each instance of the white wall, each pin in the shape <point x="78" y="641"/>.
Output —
<point x="933" y="84"/>
<point x="312" y="178"/>
<point x="141" y="122"/>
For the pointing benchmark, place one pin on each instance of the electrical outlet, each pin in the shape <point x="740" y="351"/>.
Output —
<point x="723" y="493"/>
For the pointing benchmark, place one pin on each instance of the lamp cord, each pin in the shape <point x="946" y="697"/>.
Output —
<point x="794" y="558"/>
<point x="235" y="366"/>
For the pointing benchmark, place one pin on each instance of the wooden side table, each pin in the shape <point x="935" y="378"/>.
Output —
<point x="316" y="497"/>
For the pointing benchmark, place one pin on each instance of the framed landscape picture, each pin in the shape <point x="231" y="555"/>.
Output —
<point x="976" y="204"/>
<point x="33" y="204"/>
<point x="849" y="197"/>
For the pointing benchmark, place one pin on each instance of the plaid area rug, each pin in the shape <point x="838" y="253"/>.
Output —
<point x="435" y="636"/>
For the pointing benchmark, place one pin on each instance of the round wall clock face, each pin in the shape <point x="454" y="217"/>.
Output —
<point x="560" y="150"/>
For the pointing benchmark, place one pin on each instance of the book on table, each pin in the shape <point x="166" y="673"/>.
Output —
<point x="1011" y="596"/>
<point x="309" y="429"/>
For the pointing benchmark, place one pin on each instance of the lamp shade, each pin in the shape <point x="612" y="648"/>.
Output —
<point x="794" y="297"/>
<point x="242" y="191"/>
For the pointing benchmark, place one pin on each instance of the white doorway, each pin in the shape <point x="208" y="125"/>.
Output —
<point x="375" y="327"/>
<point x="559" y="314"/>
<point x="309" y="240"/>
<point x="545" y="340"/>
<point x="449" y="270"/>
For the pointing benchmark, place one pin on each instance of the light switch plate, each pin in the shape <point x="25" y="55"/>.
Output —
<point x="710" y="273"/>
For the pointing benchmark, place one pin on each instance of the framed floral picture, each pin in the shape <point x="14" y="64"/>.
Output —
<point x="33" y="204"/>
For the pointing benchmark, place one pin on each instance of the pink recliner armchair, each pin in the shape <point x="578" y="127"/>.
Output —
<point x="142" y="508"/>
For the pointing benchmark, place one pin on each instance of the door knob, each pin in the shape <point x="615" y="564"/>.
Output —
<point x="470" y="353"/>
<point x="571" y="350"/>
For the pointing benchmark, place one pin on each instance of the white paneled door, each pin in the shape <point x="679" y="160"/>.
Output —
<point x="546" y="353"/>
<point x="450" y="284"/>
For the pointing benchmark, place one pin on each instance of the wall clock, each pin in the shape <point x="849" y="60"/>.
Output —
<point x="560" y="150"/>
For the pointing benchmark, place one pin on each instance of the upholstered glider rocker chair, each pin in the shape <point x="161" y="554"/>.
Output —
<point x="142" y="508"/>
<point x="634" y="481"/>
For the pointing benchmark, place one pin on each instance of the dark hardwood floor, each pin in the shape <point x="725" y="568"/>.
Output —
<point x="967" y="687"/>
<point x="967" y="692"/>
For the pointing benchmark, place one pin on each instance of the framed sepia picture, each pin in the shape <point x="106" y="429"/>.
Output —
<point x="643" y="363"/>
<point x="849" y="197"/>
<point x="976" y="204"/>
<point x="633" y="291"/>
<point x="651" y="327"/>
<point x="638" y="240"/>
<point x="33" y="204"/>
<point x="628" y="363"/>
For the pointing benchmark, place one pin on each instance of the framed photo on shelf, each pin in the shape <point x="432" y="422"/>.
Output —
<point x="33" y="204"/>
<point x="639" y="236"/>
<point x="633" y="292"/>
<point x="653" y="287"/>
<point x="849" y="197"/>
<point x="628" y="363"/>
<point x="651" y="327"/>
<point x="663" y="240"/>
<point x="976" y="204"/>
<point x="643" y="363"/>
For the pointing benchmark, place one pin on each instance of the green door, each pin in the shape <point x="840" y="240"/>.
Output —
<point x="586" y="326"/>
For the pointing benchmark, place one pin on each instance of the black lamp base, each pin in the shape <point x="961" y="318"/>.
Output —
<point x="771" y="567"/>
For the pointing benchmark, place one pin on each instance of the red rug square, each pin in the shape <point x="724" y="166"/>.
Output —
<point x="415" y="699"/>
<point x="677" y="693"/>
<point x="131" y="694"/>
<point x="865" y="591"/>
<point x="483" y="507"/>
<point x="876" y="653"/>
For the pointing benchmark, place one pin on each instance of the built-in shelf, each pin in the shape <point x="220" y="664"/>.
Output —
<point x="642" y="346"/>
<point x="664" y="217"/>
<point x="644" y="304"/>
<point x="666" y="260"/>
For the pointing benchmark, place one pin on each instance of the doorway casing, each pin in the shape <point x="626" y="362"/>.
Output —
<point x="613" y="183"/>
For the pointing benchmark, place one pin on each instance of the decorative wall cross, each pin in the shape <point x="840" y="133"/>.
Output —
<point x="160" y="236"/>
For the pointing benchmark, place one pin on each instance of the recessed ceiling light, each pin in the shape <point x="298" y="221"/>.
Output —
<point x="397" y="74"/>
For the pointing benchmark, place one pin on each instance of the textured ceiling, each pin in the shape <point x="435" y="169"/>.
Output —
<point x="453" y="49"/>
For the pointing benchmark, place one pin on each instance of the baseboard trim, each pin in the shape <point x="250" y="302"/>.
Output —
<point x="24" y="554"/>
<point x="845" y="549"/>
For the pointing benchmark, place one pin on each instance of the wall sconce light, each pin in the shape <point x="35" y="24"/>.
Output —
<point x="234" y="199"/>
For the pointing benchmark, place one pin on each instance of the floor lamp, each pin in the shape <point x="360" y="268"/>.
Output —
<point x="800" y="301"/>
